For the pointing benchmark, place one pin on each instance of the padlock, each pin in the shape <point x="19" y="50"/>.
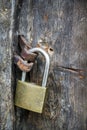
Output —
<point x="31" y="96"/>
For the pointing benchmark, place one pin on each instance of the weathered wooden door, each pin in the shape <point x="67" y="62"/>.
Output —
<point x="63" y="25"/>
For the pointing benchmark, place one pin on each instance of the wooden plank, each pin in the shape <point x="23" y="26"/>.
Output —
<point x="6" y="100"/>
<point x="61" y="23"/>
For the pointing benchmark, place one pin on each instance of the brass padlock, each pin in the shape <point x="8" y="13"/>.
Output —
<point x="31" y="96"/>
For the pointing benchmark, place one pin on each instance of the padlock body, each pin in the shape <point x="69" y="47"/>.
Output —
<point x="30" y="96"/>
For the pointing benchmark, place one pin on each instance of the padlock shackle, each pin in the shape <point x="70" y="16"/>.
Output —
<point x="44" y="81"/>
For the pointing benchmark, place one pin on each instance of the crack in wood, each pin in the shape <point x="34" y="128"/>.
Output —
<point x="81" y="72"/>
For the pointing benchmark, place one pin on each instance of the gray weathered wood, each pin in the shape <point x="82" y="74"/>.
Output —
<point x="63" y="24"/>
<point x="6" y="97"/>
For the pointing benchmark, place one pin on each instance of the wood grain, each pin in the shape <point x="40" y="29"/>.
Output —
<point x="63" y="25"/>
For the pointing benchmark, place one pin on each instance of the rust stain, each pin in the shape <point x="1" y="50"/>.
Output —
<point x="48" y="49"/>
<point x="81" y="77"/>
<point x="45" y="17"/>
<point x="22" y="65"/>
